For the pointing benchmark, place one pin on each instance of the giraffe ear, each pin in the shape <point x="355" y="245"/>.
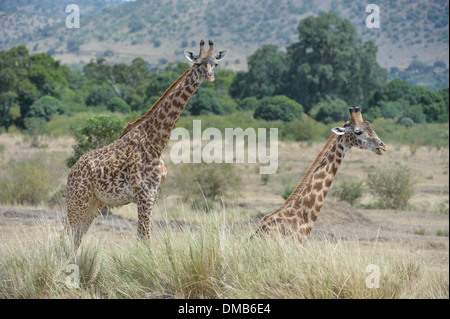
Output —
<point x="220" y="55"/>
<point x="191" y="56"/>
<point x="338" y="130"/>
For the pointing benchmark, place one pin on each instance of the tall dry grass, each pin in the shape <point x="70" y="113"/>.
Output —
<point x="212" y="261"/>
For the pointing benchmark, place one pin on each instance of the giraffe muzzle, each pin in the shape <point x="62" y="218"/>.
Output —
<point x="209" y="77"/>
<point x="380" y="148"/>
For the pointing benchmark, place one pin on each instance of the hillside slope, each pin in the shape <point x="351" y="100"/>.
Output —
<point x="159" y="30"/>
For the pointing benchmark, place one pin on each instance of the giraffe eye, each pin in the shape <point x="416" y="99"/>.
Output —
<point x="358" y="132"/>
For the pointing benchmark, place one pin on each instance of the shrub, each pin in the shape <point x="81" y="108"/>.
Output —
<point x="279" y="107"/>
<point x="265" y="178"/>
<point x="393" y="187"/>
<point x="305" y="130"/>
<point x="46" y="107"/>
<point x="349" y="191"/>
<point x="288" y="188"/>
<point x="29" y="180"/>
<point x="116" y="104"/>
<point x="35" y="127"/>
<point x="202" y="180"/>
<point x="248" y="103"/>
<point x="98" y="131"/>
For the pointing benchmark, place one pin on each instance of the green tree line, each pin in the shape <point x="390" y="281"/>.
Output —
<point x="327" y="70"/>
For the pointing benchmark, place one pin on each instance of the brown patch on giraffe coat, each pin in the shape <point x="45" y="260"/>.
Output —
<point x="309" y="201"/>
<point x="334" y="169"/>
<point x="330" y="157"/>
<point x="189" y="90"/>
<point x="184" y="96"/>
<point x="318" y="186"/>
<point x="320" y="198"/>
<point x="320" y="175"/>
<point x="333" y="149"/>
<point x="305" y="217"/>
<point x="328" y="182"/>
<point x="288" y="213"/>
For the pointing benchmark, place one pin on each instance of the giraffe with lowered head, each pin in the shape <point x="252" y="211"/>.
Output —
<point x="298" y="214"/>
<point x="131" y="169"/>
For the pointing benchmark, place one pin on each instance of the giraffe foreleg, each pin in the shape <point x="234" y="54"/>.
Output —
<point x="145" y="209"/>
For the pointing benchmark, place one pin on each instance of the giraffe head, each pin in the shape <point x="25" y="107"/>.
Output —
<point x="360" y="133"/>
<point x="206" y="61"/>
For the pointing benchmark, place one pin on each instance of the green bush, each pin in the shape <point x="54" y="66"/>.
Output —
<point x="349" y="191"/>
<point x="98" y="131"/>
<point x="116" y="104"/>
<point x="248" y="103"/>
<point x="46" y="107"/>
<point x="393" y="187"/>
<point x="279" y="107"/>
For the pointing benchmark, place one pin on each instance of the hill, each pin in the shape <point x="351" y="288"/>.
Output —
<point x="159" y="31"/>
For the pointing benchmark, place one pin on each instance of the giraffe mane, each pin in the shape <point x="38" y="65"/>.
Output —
<point x="138" y="121"/>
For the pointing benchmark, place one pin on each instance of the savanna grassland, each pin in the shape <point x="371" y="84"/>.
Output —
<point x="200" y="248"/>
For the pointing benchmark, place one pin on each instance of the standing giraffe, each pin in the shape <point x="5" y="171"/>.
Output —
<point x="131" y="169"/>
<point x="297" y="215"/>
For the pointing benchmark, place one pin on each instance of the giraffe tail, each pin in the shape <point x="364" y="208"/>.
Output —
<point x="258" y="232"/>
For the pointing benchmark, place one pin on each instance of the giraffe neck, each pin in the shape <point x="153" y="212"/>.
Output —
<point x="160" y="120"/>
<point x="301" y="209"/>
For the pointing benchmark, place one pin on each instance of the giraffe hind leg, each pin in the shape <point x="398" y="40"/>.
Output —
<point x="83" y="226"/>
<point x="82" y="208"/>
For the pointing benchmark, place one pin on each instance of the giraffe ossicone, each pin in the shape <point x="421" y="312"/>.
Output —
<point x="131" y="169"/>
<point x="298" y="214"/>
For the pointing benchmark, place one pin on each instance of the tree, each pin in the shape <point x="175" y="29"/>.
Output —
<point x="432" y="102"/>
<point x="266" y="67"/>
<point x="330" y="61"/>
<point x="329" y="111"/>
<point x="399" y="99"/>
<point x="8" y="83"/>
<point x="204" y="101"/>
<point x="98" y="131"/>
<point x="100" y="96"/>
<point x="25" y="78"/>
<point x="116" y="104"/>
<point x="278" y="107"/>
<point x="120" y="77"/>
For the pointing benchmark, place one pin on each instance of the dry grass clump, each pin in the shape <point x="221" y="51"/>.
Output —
<point x="213" y="261"/>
